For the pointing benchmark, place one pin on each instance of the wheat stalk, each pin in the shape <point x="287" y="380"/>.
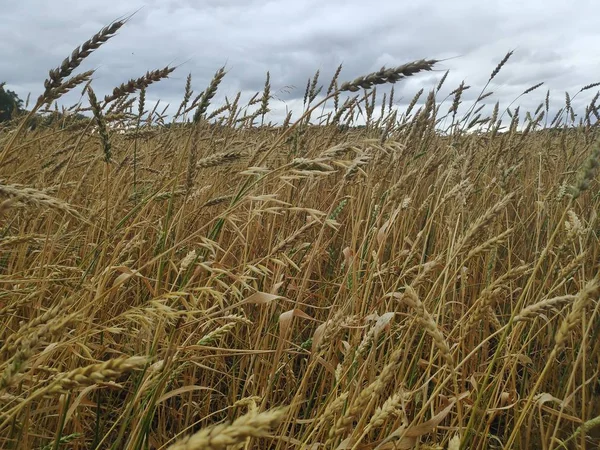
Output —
<point x="384" y="75"/>
<point x="96" y="373"/>
<point x="56" y="76"/>
<point x="253" y="424"/>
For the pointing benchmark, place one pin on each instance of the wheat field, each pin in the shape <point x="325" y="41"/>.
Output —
<point x="428" y="280"/>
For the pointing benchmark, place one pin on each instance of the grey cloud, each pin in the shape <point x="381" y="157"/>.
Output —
<point x="293" y="39"/>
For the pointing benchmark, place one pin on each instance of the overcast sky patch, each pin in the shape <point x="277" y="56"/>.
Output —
<point x="554" y="42"/>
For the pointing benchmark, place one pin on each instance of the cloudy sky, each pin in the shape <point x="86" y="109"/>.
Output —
<point x="554" y="42"/>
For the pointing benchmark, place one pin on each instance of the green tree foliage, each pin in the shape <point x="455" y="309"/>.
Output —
<point x="10" y="103"/>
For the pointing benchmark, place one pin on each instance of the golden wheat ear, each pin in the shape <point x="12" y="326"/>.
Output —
<point x="69" y="64"/>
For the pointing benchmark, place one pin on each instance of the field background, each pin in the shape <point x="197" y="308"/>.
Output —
<point x="424" y="280"/>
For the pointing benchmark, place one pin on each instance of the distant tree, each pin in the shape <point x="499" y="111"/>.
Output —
<point x="10" y="103"/>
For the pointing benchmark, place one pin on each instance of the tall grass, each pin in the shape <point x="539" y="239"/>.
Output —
<point x="213" y="281"/>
